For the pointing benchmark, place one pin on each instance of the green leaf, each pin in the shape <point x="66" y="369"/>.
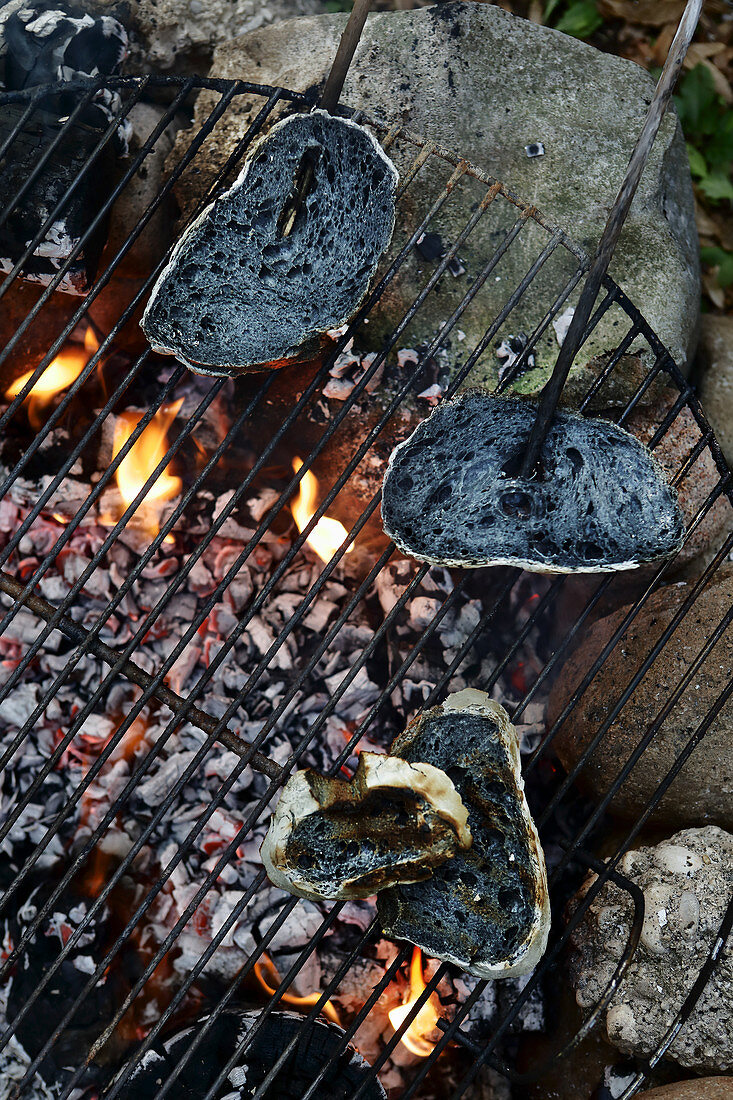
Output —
<point x="338" y="5"/>
<point x="717" y="187"/>
<point x="697" y="101"/>
<point x="698" y="167"/>
<point x="719" y="146"/>
<point x="550" y="7"/>
<point x="580" y="20"/>
<point x="718" y="257"/>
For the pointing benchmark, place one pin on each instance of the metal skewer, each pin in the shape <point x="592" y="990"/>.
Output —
<point x="553" y="389"/>
<point x="328" y="102"/>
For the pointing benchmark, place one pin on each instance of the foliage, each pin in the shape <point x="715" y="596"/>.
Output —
<point x="718" y="257"/>
<point x="707" y="122"/>
<point x="580" y="18"/>
<point x="338" y="5"/>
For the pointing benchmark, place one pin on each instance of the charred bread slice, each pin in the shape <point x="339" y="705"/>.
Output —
<point x="600" y="501"/>
<point x="487" y="909"/>
<point x="393" y="822"/>
<point x="236" y="295"/>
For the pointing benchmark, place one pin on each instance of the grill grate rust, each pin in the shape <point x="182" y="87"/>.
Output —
<point x="192" y="707"/>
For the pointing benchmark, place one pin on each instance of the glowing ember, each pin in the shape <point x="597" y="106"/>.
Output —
<point x="328" y="534"/>
<point x="424" y="1024"/>
<point x="290" y="998"/>
<point x="145" y="454"/>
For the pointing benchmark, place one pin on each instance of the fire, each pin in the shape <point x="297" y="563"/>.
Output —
<point x="424" y="1024"/>
<point x="58" y="375"/>
<point x="145" y="454"/>
<point x="328" y="534"/>
<point x="290" y="998"/>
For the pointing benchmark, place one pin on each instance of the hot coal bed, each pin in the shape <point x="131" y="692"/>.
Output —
<point x="106" y="787"/>
<point x="197" y="598"/>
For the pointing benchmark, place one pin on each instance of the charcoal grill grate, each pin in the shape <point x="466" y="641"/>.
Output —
<point x="58" y="615"/>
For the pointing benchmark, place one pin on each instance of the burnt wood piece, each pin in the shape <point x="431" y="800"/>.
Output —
<point x="487" y="910"/>
<point x="40" y="199"/>
<point x="454" y="493"/>
<point x="317" y="1044"/>
<point x="47" y="43"/>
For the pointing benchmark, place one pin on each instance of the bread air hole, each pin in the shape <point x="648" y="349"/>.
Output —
<point x="517" y="504"/>
<point x="510" y="899"/>
<point x="576" y="460"/>
<point x="589" y="551"/>
<point x="443" y="493"/>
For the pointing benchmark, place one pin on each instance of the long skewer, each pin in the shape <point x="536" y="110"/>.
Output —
<point x="328" y="102"/>
<point x="553" y="389"/>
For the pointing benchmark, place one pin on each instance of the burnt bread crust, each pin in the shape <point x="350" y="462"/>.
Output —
<point x="336" y="839"/>
<point x="453" y="495"/>
<point x="487" y="909"/>
<point x="235" y="295"/>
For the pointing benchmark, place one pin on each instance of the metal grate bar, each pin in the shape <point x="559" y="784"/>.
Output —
<point x="68" y="194"/>
<point x="185" y="709"/>
<point x="43" y="160"/>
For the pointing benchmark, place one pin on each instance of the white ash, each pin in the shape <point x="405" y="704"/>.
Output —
<point x="509" y="351"/>
<point x="348" y="369"/>
<point x="237" y="877"/>
<point x="561" y="324"/>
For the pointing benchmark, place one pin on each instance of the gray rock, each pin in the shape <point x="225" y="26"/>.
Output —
<point x="707" y="1088"/>
<point x="703" y="791"/>
<point x="470" y="77"/>
<point x="687" y="882"/>
<point x="716" y="384"/>
<point x="177" y="33"/>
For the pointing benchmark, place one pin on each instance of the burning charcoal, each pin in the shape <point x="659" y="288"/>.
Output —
<point x="453" y="493"/>
<point x="239" y="296"/>
<point x="487" y="909"/>
<point x="46" y="43"/>
<point x="392" y="823"/>
<point x="96" y="1010"/>
<point x="317" y="1043"/>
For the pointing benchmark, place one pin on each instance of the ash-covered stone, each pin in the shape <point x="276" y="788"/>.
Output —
<point x="687" y="882"/>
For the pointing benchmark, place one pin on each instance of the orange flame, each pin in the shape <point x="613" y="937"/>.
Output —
<point x="290" y="998"/>
<point x="58" y="375"/>
<point x="328" y="534"/>
<point x="145" y="454"/>
<point x="424" y="1024"/>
